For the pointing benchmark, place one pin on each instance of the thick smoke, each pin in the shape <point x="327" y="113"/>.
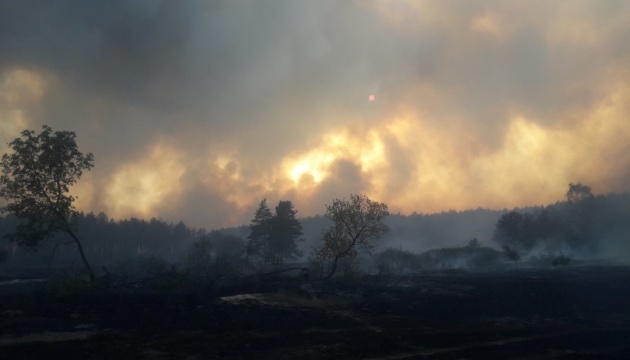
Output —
<point x="196" y="110"/>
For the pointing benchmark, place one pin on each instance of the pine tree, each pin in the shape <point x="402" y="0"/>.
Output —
<point x="285" y="230"/>
<point x="260" y="230"/>
<point x="273" y="237"/>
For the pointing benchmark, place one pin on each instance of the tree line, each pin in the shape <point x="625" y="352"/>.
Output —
<point x="39" y="172"/>
<point x="585" y="225"/>
<point x="105" y="241"/>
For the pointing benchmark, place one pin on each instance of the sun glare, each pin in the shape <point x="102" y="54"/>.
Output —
<point x="365" y="149"/>
<point x="137" y="188"/>
<point x="313" y="164"/>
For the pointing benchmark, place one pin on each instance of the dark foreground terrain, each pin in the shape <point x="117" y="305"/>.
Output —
<point x="571" y="313"/>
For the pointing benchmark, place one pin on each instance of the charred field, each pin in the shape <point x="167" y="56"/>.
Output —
<point x="580" y="312"/>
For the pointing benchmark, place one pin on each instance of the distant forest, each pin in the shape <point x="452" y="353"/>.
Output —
<point x="595" y="227"/>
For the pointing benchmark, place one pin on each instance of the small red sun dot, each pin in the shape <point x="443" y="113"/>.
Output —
<point x="372" y="98"/>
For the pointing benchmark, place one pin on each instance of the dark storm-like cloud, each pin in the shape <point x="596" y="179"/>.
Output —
<point x="111" y="49"/>
<point x="264" y="67"/>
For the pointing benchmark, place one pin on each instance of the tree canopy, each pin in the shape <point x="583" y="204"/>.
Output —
<point x="285" y="231"/>
<point x="273" y="236"/>
<point x="578" y="192"/>
<point x="36" y="180"/>
<point x="260" y="230"/>
<point x="513" y="232"/>
<point x="357" y="225"/>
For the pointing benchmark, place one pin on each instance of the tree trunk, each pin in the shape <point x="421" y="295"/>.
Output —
<point x="85" y="262"/>
<point x="334" y="268"/>
<point x="342" y="254"/>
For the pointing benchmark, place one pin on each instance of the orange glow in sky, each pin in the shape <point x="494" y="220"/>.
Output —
<point x="484" y="104"/>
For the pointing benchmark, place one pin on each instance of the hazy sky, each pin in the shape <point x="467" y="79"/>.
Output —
<point x="196" y="110"/>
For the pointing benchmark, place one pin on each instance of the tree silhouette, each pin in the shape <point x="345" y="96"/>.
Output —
<point x="35" y="181"/>
<point x="474" y="244"/>
<point x="357" y="225"/>
<point x="260" y="230"/>
<point x="273" y="236"/>
<point x="578" y="192"/>
<point x="512" y="254"/>
<point x="285" y="230"/>
<point x="514" y="231"/>
<point x="201" y="255"/>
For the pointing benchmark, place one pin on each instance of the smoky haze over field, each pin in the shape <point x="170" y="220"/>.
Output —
<point x="197" y="110"/>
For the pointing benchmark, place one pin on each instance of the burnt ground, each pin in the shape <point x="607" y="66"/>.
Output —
<point x="572" y="313"/>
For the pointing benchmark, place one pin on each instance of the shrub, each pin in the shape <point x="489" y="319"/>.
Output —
<point x="396" y="262"/>
<point x="468" y="257"/>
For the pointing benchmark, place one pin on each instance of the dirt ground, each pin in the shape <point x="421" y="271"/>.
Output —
<point x="570" y="313"/>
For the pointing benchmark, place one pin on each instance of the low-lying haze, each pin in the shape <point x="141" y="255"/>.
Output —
<point x="197" y="110"/>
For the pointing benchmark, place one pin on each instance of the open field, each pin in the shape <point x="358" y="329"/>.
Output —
<point x="571" y="313"/>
